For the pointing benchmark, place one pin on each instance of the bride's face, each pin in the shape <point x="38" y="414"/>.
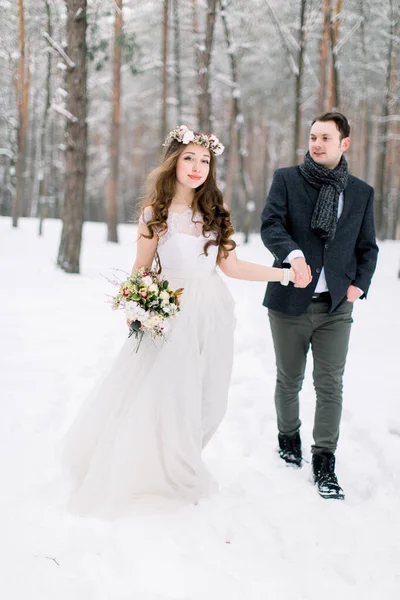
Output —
<point x="193" y="166"/>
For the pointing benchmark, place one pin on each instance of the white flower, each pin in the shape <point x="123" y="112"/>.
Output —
<point x="164" y="296"/>
<point x="153" y="288"/>
<point x="147" y="281"/>
<point x="131" y="306"/>
<point x="218" y="149"/>
<point x="188" y="137"/>
<point x="135" y="312"/>
<point x="152" y="322"/>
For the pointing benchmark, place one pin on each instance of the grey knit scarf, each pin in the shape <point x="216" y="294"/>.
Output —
<point x="330" y="182"/>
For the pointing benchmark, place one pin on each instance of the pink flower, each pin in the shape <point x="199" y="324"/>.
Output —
<point x="143" y="293"/>
<point x="125" y="291"/>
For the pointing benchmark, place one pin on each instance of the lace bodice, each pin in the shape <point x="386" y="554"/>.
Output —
<point x="185" y="222"/>
<point x="181" y="246"/>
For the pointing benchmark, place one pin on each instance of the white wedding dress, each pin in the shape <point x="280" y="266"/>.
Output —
<point x="139" y="436"/>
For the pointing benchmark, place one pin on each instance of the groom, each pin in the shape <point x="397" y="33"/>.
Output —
<point x="317" y="215"/>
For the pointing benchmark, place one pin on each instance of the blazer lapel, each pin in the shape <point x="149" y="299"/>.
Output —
<point x="348" y="200"/>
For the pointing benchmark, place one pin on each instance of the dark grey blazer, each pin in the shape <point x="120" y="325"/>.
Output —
<point x="350" y="258"/>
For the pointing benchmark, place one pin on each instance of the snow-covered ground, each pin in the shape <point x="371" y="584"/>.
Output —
<point x="266" y="535"/>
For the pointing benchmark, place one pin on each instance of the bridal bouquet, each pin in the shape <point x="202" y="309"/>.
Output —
<point x="149" y="303"/>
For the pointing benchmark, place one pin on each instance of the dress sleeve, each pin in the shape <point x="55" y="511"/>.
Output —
<point x="146" y="215"/>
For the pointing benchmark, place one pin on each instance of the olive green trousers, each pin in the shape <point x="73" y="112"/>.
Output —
<point x="328" y="336"/>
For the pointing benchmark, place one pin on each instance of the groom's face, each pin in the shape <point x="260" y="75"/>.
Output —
<point x="325" y="144"/>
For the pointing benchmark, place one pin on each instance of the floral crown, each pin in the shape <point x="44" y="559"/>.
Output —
<point x="185" y="136"/>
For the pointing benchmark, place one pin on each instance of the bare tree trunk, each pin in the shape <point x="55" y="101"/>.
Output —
<point x="323" y="65"/>
<point x="164" y="79"/>
<point x="368" y="141"/>
<point x="31" y="151"/>
<point x="195" y="20"/>
<point x="22" y="87"/>
<point x="204" y="52"/>
<point x="112" y="184"/>
<point x="56" y="175"/>
<point x="334" y="96"/>
<point x="231" y="170"/>
<point x="395" y="226"/>
<point x="177" y="52"/>
<point x="367" y="108"/>
<point x="76" y="137"/>
<point x="138" y="159"/>
<point x="266" y="161"/>
<point x="42" y="143"/>
<point x="397" y="234"/>
<point x="299" y="81"/>
<point x="382" y="178"/>
<point x="392" y="166"/>
<point x="238" y="119"/>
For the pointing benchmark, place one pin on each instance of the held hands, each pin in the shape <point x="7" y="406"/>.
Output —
<point x="353" y="293"/>
<point x="301" y="273"/>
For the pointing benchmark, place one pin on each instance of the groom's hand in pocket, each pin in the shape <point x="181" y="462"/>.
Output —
<point x="353" y="293"/>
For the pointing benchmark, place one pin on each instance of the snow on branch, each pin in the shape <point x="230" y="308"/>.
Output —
<point x="291" y="60"/>
<point x="387" y="119"/>
<point x="6" y="152"/>
<point x="64" y="112"/>
<point x="291" y="39"/>
<point x="348" y="35"/>
<point x="116" y="7"/>
<point x="224" y="79"/>
<point x="62" y="92"/>
<point x="236" y="92"/>
<point x="57" y="47"/>
<point x="390" y="137"/>
<point x="386" y="34"/>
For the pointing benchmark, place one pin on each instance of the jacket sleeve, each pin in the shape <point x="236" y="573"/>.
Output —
<point x="274" y="232"/>
<point x="366" y="248"/>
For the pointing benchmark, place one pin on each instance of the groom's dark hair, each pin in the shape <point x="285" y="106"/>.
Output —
<point x="340" y="120"/>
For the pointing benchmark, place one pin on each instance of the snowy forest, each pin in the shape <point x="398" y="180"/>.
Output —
<point x="90" y="89"/>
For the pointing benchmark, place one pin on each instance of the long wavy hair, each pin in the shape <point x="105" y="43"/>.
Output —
<point x="208" y="201"/>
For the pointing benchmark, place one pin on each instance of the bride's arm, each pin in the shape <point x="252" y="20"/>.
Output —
<point x="241" y="269"/>
<point x="146" y="248"/>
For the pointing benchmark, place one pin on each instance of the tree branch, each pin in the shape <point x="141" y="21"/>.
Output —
<point x="59" y="50"/>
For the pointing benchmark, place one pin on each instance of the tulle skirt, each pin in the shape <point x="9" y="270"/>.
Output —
<point x="138" y="437"/>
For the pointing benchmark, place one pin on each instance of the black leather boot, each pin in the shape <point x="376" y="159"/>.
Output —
<point x="323" y="466"/>
<point x="290" y="448"/>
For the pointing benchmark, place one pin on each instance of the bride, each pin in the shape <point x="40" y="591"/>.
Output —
<point x="140" y="433"/>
